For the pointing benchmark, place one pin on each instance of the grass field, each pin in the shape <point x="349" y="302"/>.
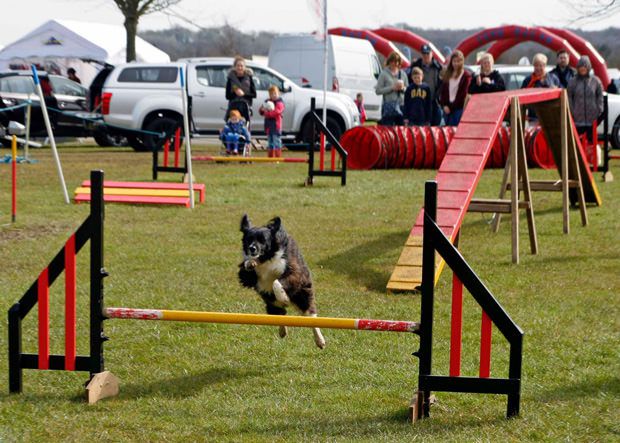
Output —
<point x="201" y="382"/>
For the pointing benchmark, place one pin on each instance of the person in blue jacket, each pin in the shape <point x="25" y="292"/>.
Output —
<point x="417" y="110"/>
<point x="235" y="134"/>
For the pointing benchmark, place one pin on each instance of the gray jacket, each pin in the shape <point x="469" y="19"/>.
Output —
<point x="585" y="95"/>
<point x="385" y="83"/>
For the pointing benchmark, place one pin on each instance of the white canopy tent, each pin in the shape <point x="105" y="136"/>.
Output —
<point x="67" y="43"/>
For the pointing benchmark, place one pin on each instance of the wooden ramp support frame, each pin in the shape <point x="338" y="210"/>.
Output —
<point x="566" y="157"/>
<point x="518" y="177"/>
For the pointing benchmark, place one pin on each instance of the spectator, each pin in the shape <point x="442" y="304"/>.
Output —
<point x="585" y="96"/>
<point x="272" y="110"/>
<point x="540" y="78"/>
<point x="359" y="102"/>
<point x="72" y="76"/>
<point x="240" y="88"/>
<point x="431" y="69"/>
<point x="489" y="79"/>
<point x="417" y="111"/>
<point x="391" y="84"/>
<point x="454" y="88"/>
<point x="562" y="71"/>
<point x="234" y="134"/>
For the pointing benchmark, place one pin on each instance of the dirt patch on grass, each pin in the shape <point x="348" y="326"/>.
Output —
<point x="10" y="234"/>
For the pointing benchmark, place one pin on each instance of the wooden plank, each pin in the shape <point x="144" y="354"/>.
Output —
<point x="145" y="192"/>
<point x="467" y="147"/>
<point x="200" y="187"/>
<point x="411" y="255"/>
<point x="483" y="131"/>
<point x="102" y="385"/>
<point x="452" y="199"/>
<point x="455" y="181"/>
<point x="137" y="199"/>
<point x="462" y="163"/>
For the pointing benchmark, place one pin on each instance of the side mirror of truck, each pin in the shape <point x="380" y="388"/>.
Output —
<point x="286" y="87"/>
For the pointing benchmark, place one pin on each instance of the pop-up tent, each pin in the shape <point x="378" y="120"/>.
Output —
<point x="67" y="42"/>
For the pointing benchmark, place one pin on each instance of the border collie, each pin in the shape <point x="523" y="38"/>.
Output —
<point x="274" y="267"/>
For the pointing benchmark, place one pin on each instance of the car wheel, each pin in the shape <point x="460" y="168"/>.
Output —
<point x="161" y="125"/>
<point x="136" y="143"/>
<point x="332" y="124"/>
<point x="104" y="140"/>
<point x="615" y="134"/>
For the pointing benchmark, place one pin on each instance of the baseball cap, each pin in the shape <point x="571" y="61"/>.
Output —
<point x="425" y="49"/>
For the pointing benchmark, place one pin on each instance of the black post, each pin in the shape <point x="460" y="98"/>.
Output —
<point x="606" y="135"/>
<point x="97" y="273"/>
<point x="155" y="162"/>
<point x="427" y="288"/>
<point x="514" y="372"/>
<point x="15" y="350"/>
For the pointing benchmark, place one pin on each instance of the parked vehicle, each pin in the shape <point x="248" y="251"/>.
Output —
<point x="352" y="65"/>
<point x="514" y="76"/>
<point x="143" y="96"/>
<point x="17" y="87"/>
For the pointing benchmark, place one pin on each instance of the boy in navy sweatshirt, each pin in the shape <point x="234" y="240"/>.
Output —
<point x="417" y="110"/>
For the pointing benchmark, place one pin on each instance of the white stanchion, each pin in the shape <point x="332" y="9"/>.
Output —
<point x="50" y="134"/>
<point x="188" y="146"/>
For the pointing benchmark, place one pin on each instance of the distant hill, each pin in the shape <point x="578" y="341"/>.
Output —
<point x="227" y="41"/>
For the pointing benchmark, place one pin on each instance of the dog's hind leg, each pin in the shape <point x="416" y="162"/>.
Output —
<point x="276" y="310"/>
<point x="318" y="336"/>
<point x="280" y="293"/>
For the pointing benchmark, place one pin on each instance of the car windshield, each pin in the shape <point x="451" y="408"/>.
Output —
<point x="17" y="84"/>
<point x="64" y="86"/>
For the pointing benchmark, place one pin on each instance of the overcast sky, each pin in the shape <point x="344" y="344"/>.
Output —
<point x="293" y="15"/>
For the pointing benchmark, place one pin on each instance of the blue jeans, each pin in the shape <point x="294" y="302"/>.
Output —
<point x="274" y="141"/>
<point x="454" y="117"/>
<point x="232" y="141"/>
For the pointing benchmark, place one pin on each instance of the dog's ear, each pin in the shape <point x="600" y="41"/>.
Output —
<point x="275" y="224"/>
<point x="245" y="223"/>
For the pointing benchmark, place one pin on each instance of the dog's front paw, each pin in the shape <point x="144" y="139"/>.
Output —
<point x="320" y="342"/>
<point x="283" y="332"/>
<point x="249" y="264"/>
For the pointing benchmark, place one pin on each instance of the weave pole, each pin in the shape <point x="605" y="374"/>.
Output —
<point x="263" y="319"/>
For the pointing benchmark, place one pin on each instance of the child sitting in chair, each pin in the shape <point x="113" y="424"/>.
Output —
<point x="234" y="134"/>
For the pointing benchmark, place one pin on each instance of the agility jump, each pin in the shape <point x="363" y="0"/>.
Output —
<point x="103" y="384"/>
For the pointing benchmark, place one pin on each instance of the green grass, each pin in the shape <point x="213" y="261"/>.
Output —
<point x="202" y="382"/>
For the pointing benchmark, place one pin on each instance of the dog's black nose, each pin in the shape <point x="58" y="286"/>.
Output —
<point x="253" y="249"/>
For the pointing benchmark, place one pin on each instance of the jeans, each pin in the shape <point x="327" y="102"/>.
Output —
<point x="274" y="141"/>
<point x="454" y="117"/>
<point x="436" y="114"/>
<point x="232" y="140"/>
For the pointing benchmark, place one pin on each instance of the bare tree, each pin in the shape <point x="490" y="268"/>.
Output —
<point x="593" y="10"/>
<point x="132" y="11"/>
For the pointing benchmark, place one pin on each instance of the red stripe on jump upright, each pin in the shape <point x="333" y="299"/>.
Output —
<point x="70" y="317"/>
<point x="333" y="158"/>
<point x="177" y="145"/>
<point x="485" y="346"/>
<point x="456" y="327"/>
<point x="166" y="152"/>
<point x="43" y="295"/>
<point x="322" y="153"/>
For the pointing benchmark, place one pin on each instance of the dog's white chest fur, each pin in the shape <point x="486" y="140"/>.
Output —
<point x="270" y="271"/>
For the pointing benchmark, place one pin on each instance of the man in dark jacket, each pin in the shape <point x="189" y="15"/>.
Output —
<point x="432" y="77"/>
<point x="562" y="70"/>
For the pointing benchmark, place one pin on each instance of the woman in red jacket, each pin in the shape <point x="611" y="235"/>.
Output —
<point x="454" y="88"/>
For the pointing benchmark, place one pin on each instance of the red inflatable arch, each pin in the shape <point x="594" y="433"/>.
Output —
<point x="518" y="34"/>
<point x="585" y="48"/>
<point x="410" y="39"/>
<point x="381" y="45"/>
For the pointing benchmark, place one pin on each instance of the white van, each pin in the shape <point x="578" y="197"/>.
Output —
<point x="352" y="66"/>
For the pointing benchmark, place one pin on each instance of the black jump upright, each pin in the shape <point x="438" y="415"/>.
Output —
<point x="435" y="240"/>
<point x="91" y="229"/>
<point x="319" y="127"/>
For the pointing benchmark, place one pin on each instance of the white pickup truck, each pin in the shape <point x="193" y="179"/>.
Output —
<point x="146" y="97"/>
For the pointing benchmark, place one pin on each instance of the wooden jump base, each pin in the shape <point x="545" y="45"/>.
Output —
<point x="143" y="193"/>
<point x="263" y="319"/>
<point x="241" y="159"/>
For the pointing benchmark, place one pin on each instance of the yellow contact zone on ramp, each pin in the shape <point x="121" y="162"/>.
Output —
<point x="141" y="192"/>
